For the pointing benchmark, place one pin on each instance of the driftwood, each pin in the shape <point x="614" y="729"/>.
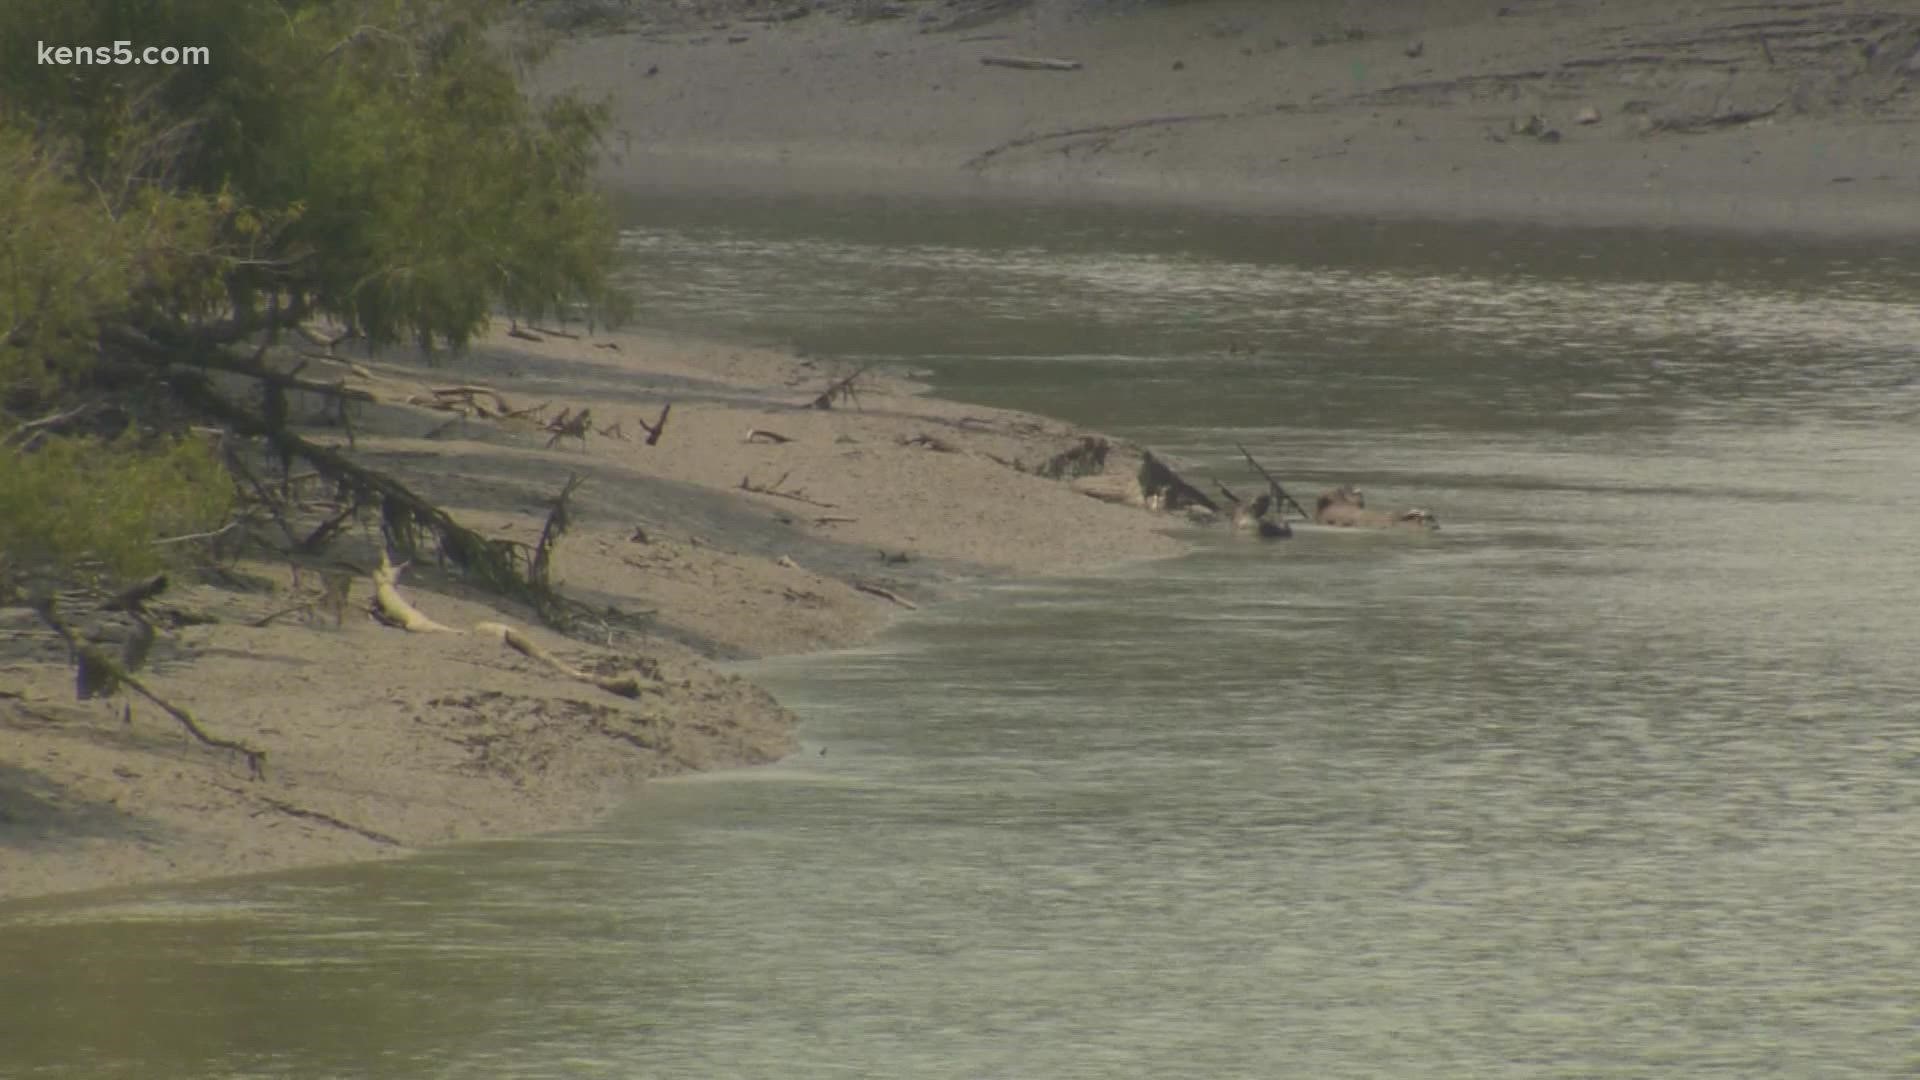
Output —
<point x="841" y="389"/>
<point x="884" y="594"/>
<point x="1163" y="489"/>
<point x="774" y="489"/>
<point x="392" y="608"/>
<point x="467" y="397"/>
<point x="1280" y="496"/>
<point x="1084" y="458"/>
<point x="1031" y="63"/>
<point x="763" y="435"/>
<point x="628" y="687"/>
<point x="938" y="446"/>
<point x="570" y="425"/>
<point x="656" y="430"/>
<point x="99" y="675"/>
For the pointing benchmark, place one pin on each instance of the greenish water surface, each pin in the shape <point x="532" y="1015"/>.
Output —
<point x="1616" y="775"/>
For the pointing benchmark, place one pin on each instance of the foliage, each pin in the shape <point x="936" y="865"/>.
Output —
<point x="79" y="503"/>
<point x="374" y="161"/>
<point x="62" y="266"/>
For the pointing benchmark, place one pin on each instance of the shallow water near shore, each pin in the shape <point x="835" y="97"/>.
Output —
<point x="1617" y="774"/>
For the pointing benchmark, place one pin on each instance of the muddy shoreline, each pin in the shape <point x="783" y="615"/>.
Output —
<point x="1769" y="117"/>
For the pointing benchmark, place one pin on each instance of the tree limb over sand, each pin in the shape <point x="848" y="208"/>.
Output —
<point x="113" y="674"/>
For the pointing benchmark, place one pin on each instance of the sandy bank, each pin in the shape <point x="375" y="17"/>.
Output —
<point x="381" y="741"/>
<point x="1744" y="114"/>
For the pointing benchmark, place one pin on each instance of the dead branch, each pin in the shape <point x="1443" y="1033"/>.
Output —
<point x="570" y="336"/>
<point x="328" y="819"/>
<point x="516" y="332"/>
<point x="1280" y="496"/>
<point x="559" y="520"/>
<point x="450" y="396"/>
<point x="191" y="537"/>
<point x="841" y="388"/>
<point x="656" y="430"/>
<point x="568" y="426"/>
<point x="774" y="489"/>
<point x="938" y="446"/>
<point x="34" y="430"/>
<point x="108" y="674"/>
<point x="884" y="594"/>
<point x="763" y="435"/>
<point x="1031" y="63"/>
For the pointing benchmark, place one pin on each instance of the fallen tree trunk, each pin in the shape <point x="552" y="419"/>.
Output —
<point x="393" y="609"/>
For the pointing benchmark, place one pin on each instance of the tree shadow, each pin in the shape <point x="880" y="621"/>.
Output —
<point x="37" y="812"/>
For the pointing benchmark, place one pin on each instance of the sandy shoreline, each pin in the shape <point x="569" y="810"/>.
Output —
<point x="381" y="742"/>
<point x="1756" y="116"/>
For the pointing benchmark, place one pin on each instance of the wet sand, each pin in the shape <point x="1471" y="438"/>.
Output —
<point x="1750" y="115"/>
<point x="381" y="741"/>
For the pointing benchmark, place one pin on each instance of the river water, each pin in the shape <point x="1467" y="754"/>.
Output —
<point x="1616" y="775"/>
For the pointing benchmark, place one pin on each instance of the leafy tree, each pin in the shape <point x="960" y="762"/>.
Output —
<point x="370" y="161"/>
